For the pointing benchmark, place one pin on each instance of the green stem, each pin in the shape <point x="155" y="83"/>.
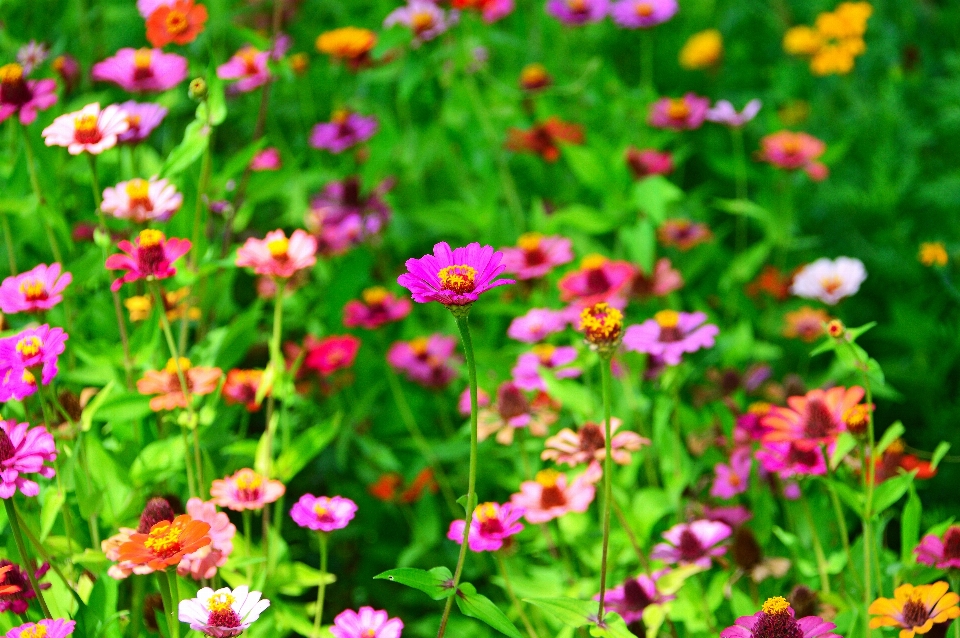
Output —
<point x="279" y="368"/>
<point x="630" y="535"/>
<point x="513" y="597"/>
<point x="8" y="240"/>
<point x="838" y="509"/>
<point x="136" y="609"/>
<point x="248" y="539"/>
<point x="14" y="520"/>
<point x="817" y="547"/>
<point x="41" y="200"/>
<point x="169" y="604"/>
<point x="322" y="587"/>
<point x="607" y="486"/>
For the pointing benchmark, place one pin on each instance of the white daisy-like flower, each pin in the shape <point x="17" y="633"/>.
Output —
<point x="829" y="280"/>
<point x="88" y="130"/>
<point x="222" y="613"/>
<point x="140" y="200"/>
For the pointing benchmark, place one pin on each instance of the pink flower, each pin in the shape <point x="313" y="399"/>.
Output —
<point x="536" y="325"/>
<point x="142" y="70"/>
<point x="680" y="114"/>
<point x="664" y="280"/>
<point x="598" y="280"/>
<point x="683" y="233"/>
<point x="588" y="444"/>
<point x="425" y="360"/>
<point x="266" y="160"/>
<point x="248" y="66"/>
<point x="151" y="258"/>
<point x="732" y="479"/>
<point x="494" y="10"/>
<point x="734" y="516"/>
<point x="365" y="623"/>
<point x="203" y="563"/>
<point x="36" y="290"/>
<point x="17" y="576"/>
<point x="277" y="256"/>
<point x="326" y="356"/>
<point x="87" y="130"/>
<point x="649" y="161"/>
<point x="578" y="12"/>
<point x="166" y="385"/>
<point x="811" y="420"/>
<point x="423" y="17"/>
<point x="536" y="255"/>
<point x="514" y="410"/>
<point x="724" y="113"/>
<point x="246" y="490"/>
<point x="829" y="280"/>
<point x="789" y="150"/>
<point x="776" y="617"/>
<point x="526" y="374"/>
<point x="142" y="201"/>
<point x="68" y="69"/>
<point x="24" y="450"/>
<point x="643" y="14"/>
<point x="222" y="613"/>
<point x="323" y="513"/>
<point x="57" y="628"/>
<point x="142" y="119"/>
<point x="379" y="306"/>
<point x="24" y="96"/>
<point x="787" y="459"/>
<point x="693" y="543"/>
<point x="342" y="216"/>
<point x="463" y="404"/>
<point x="636" y="594"/>
<point x="345" y="129"/>
<point x="941" y="551"/>
<point x="492" y="525"/>
<point x="454" y="278"/>
<point x="670" y="335"/>
<point x="22" y="356"/>
<point x="551" y="496"/>
<point x="147" y="7"/>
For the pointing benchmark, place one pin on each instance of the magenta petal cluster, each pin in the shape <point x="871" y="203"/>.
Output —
<point x="693" y="543"/>
<point x="454" y="277"/>
<point x="150" y="258"/>
<point x="778" y="617"/>
<point x="423" y="17"/>
<point x="679" y="114"/>
<point x="277" y="256"/>
<point x="57" y="628"/>
<point x="670" y="335"/>
<point x="643" y="14"/>
<point x="142" y="118"/>
<point x="366" y="622"/>
<point x="40" y="288"/>
<point x="578" y="12"/>
<point x="537" y="324"/>
<point x="22" y="356"/>
<point x="636" y="594"/>
<point x="345" y="129"/>
<point x="142" y="201"/>
<point x="323" y="513"/>
<point x="732" y="479"/>
<point x="142" y="70"/>
<point x="26" y="96"/>
<point x="943" y="552"/>
<point x="24" y="450"/>
<point x="204" y="562"/>
<point x="491" y="526"/>
<point x="248" y="67"/>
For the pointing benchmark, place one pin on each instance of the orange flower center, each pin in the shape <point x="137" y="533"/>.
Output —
<point x="831" y="284"/>
<point x="791" y="145"/>
<point x="544" y="352"/>
<point x="164" y="539"/>
<point x="249" y="57"/>
<point x="419" y="346"/>
<point x="86" y="130"/>
<point x="138" y="190"/>
<point x="177" y="22"/>
<point x="459" y="278"/>
<point x="421" y="21"/>
<point x="142" y="59"/>
<point x="375" y="296"/>
<point x="667" y="318"/>
<point x="530" y="241"/>
<point x="11" y="73"/>
<point x="37" y="631"/>
<point x="577" y="6"/>
<point x="601" y="323"/>
<point x="33" y="290"/>
<point x="644" y="10"/>
<point x="593" y="262"/>
<point x="547" y="478"/>
<point x="29" y="347"/>
<point x="678" y="109"/>
<point x="278" y="247"/>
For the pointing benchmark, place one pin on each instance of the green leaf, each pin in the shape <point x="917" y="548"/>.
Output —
<point x="482" y="608"/>
<point x="939" y="453"/>
<point x="910" y="527"/>
<point x="53" y="500"/>
<point x="194" y="142"/>
<point x="891" y="491"/>
<point x="305" y="448"/>
<point x="893" y="433"/>
<point x="614" y="627"/>
<point x="854" y="333"/>
<point x="123" y="406"/>
<point x="436" y="583"/>
<point x="586" y="166"/>
<point x="573" y="395"/>
<point x="572" y="612"/>
<point x="654" y="195"/>
<point x="582" y="218"/>
<point x="640" y="244"/>
<point x="671" y="582"/>
<point x="655" y="615"/>
<point x="845" y="444"/>
<point x="86" y="418"/>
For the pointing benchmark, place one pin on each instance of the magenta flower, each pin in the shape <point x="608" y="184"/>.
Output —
<point x="649" y="161"/>
<point x="551" y="495"/>
<point x="664" y="280"/>
<point x="31" y="55"/>
<point x="365" y="623"/>
<point x="24" y="451"/>
<point x="789" y="150"/>
<point x="342" y="216"/>
<point x="345" y="129"/>
<point x="58" y="628"/>
<point x="17" y="576"/>
<point x="693" y="543"/>
<point x="588" y="444"/>
<point x="23" y="356"/>
<point x="724" y="113"/>
<point x="425" y="360"/>
<point x="36" y="290"/>
<point x="151" y="258"/>
<point x="142" y="70"/>
<point x="142" y="201"/>
<point x="732" y="479"/>
<point x="643" y="14"/>
<point x="734" y="516"/>
<point x="940" y="551"/>
<point x="578" y="12"/>
<point x="454" y="278"/>
<point x="598" y="280"/>
<point x="536" y="325"/>
<point x="492" y="525"/>
<point x="24" y="96"/>
<point x="246" y="490"/>
<point x="323" y="513"/>
<point x="680" y="114"/>
<point x="787" y="459"/>
<point x="204" y="562"/>
<point x="423" y="17"/>
<point x="142" y="118"/>
<point x="248" y="66"/>
<point x="670" y="334"/>
<point x="378" y="306"/>
<point x="277" y="256"/>
<point x="536" y="255"/>
<point x="494" y="10"/>
<point x="526" y="374"/>
<point x="88" y="130"/>
<point x="266" y="160"/>
<point x="776" y="618"/>
<point x="636" y="594"/>
<point x="326" y="356"/>
<point x="224" y="613"/>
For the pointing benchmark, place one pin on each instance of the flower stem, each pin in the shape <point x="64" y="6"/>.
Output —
<point x="607" y="488"/>
<point x="276" y="360"/>
<point x="41" y="200"/>
<point x="248" y="539"/>
<point x="322" y="587"/>
<point x="167" y="589"/>
<point x="464" y="327"/>
<point x="644" y="563"/>
<point x="8" y="240"/>
<point x="513" y="597"/>
<point x="817" y="547"/>
<point x="838" y="510"/>
<point x="14" y="520"/>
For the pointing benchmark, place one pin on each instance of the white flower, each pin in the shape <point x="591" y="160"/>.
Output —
<point x="829" y="280"/>
<point x="724" y="113"/>
<point x="222" y="613"/>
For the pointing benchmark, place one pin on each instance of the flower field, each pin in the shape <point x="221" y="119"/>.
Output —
<point x="469" y="318"/>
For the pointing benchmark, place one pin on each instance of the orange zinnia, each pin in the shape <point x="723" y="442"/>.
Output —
<point x="543" y="138"/>
<point x="166" y="543"/>
<point x="6" y="590"/>
<point x="180" y="22"/>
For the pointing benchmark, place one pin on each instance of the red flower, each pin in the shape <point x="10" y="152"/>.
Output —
<point x="180" y="23"/>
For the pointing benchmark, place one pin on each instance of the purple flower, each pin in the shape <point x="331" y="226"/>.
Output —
<point x="142" y="70"/>
<point x="454" y="278"/>
<point x="732" y="479"/>
<point x="536" y="325"/>
<point x="643" y="14"/>
<point x="536" y="255"/>
<point x="345" y="129"/>
<point x="491" y="526"/>
<point x="776" y="619"/>
<point x="366" y="622"/>
<point x="693" y="543"/>
<point x="724" y="113"/>
<point x="143" y="118"/>
<point x="423" y="17"/>
<point x="636" y="594"/>
<point x="679" y="114"/>
<point x="58" y="628"/>
<point x="36" y="290"/>
<point x="23" y="355"/>
<point x="322" y="513"/>
<point x="526" y="374"/>
<point x="734" y="516"/>
<point x="342" y="215"/>
<point x="577" y="12"/>
<point x="24" y="451"/>
<point x="670" y="334"/>
<point x="942" y="552"/>
<point x="425" y="360"/>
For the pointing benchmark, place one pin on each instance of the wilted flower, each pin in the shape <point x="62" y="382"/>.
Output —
<point x="598" y="280"/>
<point x="723" y="112"/>
<point x="223" y="613"/>
<point x="342" y="216"/>
<point x="588" y="444"/>
<point x="277" y="256"/>
<point x="915" y="609"/>
<point x="693" y="543"/>
<point x="32" y="352"/>
<point x="57" y="628"/>
<point x="87" y="130"/>
<point x="805" y="324"/>
<point x="702" y="50"/>
<point x="551" y="495"/>
<point x="378" y="306"/>
<point x="36" y="290"/>
<point x="543" y="139"/>
<point x="323" y="513"/>
<point x="142" y="201"/>
<point x="526" y="374"/>
<point x="142" y="70"/>
<point x="425" y="360"/>
<point x="577" y="12"/>
<point x="679" y="114"/>
<point x="683" y="234"/>
<point x="664" y="280"/>
<point x="933" y="254"/>
<point x="776" y="618"/>
<point x="829" y="280"/>
<point x="326" y="356"/>
<point x="345" y="129"/>
<point x="536" y="325"/>
<point x="454" y="277"/>
<point x="671" y="334"/>
<point x="943" y="551"/>
<point x="25" y="96"/>
<point x="367" y="622"/>
<point x="166" y="384"/>
<point x="647" y="162"/>
<point x="179" y="22"/>
<point x="492" y="525"/>
<point x="350" y="44"/>
<point x="142" y="119"/>
<point x="636" y="594"/>
<point x="24" y="450"/>
<point x="424" y="18"/>
<point x="248" y="66"/>
<point x="643" y="14"/>
<point x="536" y="255"/>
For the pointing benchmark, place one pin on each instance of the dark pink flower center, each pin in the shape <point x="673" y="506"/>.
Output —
<point x="224" y="618"/>
<point x="591" y="439"/>
<point x="796" y="456"/>
<point x="777" y="625"/>
<point x="915" y="612"/>
<point x="6" y="447"/>
<point x="951" y="542"/>
<point x="597" y="282"/>
<point x="691" y="549"/>
<point x="819" y="423"/>
<point x="13" y="88"/>
<point x="635" y="597"/>
<point x="552" y="496"/>
<point x="511" y="402"/>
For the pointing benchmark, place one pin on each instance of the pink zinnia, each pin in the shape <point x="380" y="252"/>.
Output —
<point x="222" y="613"/>
<point x="17" y="576"/>
<point x="142" y="70"/>
<point x="423" y="17"/>
<point x="683" y="233"/>
<point x="454" y="278"/>
<point x="732" y="479"/>
<point x="671" y="334"/>
<point x="425" y="360"/>
<point x="577" y="12"/>
<point x="203" y="563"/>
<point x="142" y="201"/>
<point x="492" y="525"/>
<point x="342" y="216"/>
<point x="88" y="130"/>
<point x="378" y="306"/>
<point x="526" y="374"/>
<point x="326" y="356"/>
<point x="724" y="113"/>
<point x="513" y="410"/>
<point x="776" y="618"/>
<point x="734" y="516"/>
<point x="345" y="129"/>
<point x="266" y="160"/>
<point x="943" y="552"/>
<point x="36" y="290"/>
<point x="680" y="114"/>
<point x="588" y="444"/>
<point x="551" y="495"/>
<point x="536" y="325"/>
<point x="791" y="151"/>
<point x="536" y="255"/>
<point x="693" y="543"/>
<point x="635" y="595"/>
<point x="813" y="419"/>
<point x="664" y="280"/>
<point x="787" y="459"/>
<point x="248" y="66"/>
<point x="246" y="490"/>
<point x="25" y="96"/>
<point x="643" y="14"/>
<point x="598" y="280"/>
<point x="151" y="258"/>
<point x="24" y="450"/>
<point x="647" y="162"/>
<point x="142" y="118"/>
<point x="323" y="513"/>
<point x="57" y="628"/>
<point x="277" y="256"/>
<point x="24" y="355"/>
<point x="366" y="623"/>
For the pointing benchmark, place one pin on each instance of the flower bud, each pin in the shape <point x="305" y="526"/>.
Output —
<point x="198" y="89"/>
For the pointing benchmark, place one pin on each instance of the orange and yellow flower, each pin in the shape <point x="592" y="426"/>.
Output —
<point x="348" y="43"/>
<point x="835" y="40"/>
<point x="915" y="609"/>
<point x="702" y="50"/>
<point x="933" y="253"/>
<point x="180" y="22"/>
<point x="166" y="543"/>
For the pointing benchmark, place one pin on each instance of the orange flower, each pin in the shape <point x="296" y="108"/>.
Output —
<point x="915" y="610"/>
<point x="7" y="590"/>
<point x="166" y="543"/>
<point x="805" y="324"/>
<point x="180" y="23"/>
<point x="542" y="138"/>
<point x="166" y="384"/>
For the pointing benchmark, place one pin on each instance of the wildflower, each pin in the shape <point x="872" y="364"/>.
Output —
<point x="222" y="613"/>
<point x="894" y="461"/>
<point x="492" y="526"/>
<point x="248" y="66"/>
<point x="636" y="594"/>
<point x="813" y="419"/>
<point x="683" y="234"/>
<point x="802" y="40"/>
<point x="425" y="360"/>
<point x="829" y="280"/>
<point x="543" y="139"/>
<point x="578" y="12"/>
<point x="647" y="162"/>
<point x="180" y="22"/>
<point x="424" y="480"/>
<point x="266" y="160"/>
<point x="378" y="306"/>
<point x="142" y="70"/>
<point x="57" y="628"/>
<point x="142" y="201"/>
<point x="551" y="495"/>
<point x="18" y="94"/>
<point x="857" y="418"/>
<point x="598" y="280"/>
<point x="36" y="290"/>
<point x="693" y="543"/>
<point x="17" y="580"/>
<point x="670" y="334"/>
<point x="345" y="129"/>
<point x="32" y="352"/>
<point x="385" y="487"/>
<point x="367" y="622"/>
<point x="526" y="374"/>
<point x="7" y="589"/>
<point x="24" y="450"/>
<point x="277" y="256"/>
<point x="166" y="543"/>
<point x="702" y="50"/>
<point x="203" y="563"/>
<point x="142" y="119"/>
<point x="943" y="551"/>
<point x="723" y="112"/>
<point x="492" y="10"/>
<point x="349" y="44"/>
<point x="841" y="42"/>
<point x="246" y="490"/>
<point x="664" y="280"/>
<point x="166" y="384"/>
<point x="732" y="479"/>
<point x="836" y="329"/>
<point x="241" y="388"/>
<point x="425" y="19"/>
<point x="536" y="255"/>
<point x="323" y="513"/>
<point x="514" y="410"/>
<point x="327" y="355"/>
<point x="175" y="304"/>
<point x="931" y="254"/>
<point x="805" y="324"/>
<point x="88" y="130"/>
<point x="643" y="14"/>
<point x="342" y="216"/>
<point x="776" y="619"/>
<point x="588" y="445"/>
<point x="679" y="114"/>
<point x="534" y="77"/>
<point x="31" y="55"/>
<point x="791" y="151"/>
<point x="602" y="327"/>
<point x="772" y="282"/>
<point x="787" y="459"/>
<point x="455" y="278"/>
<point x="536" y="325"/>
<point x="69" y="70"/>
<point x="111" y="550"/>
<point x="915" y="609"/>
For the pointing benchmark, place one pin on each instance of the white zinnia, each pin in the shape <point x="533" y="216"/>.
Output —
<point x="829" y="280"/>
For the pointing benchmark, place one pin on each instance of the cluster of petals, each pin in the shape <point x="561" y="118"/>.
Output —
<point x="24" y="356"/>
<point x="578" y="12"/>
<point x="791" y="151"/>
<point x="323" y="513"/>
<point x="248" y="67"/>
<point x="661" y="282"/>
<point x="165" y="384"/>
<point x="277" y="256"/>
<point x="45" y="628"/>
<point x="426" y="360"/>
<point x="142" y="201"/>
<point x="942" y="551"/>
<point x="241" y="386"/>
<point x="526" y="373"/>
<point x="536" y="255"/>
<point x="552" y="494"/>
<point x="491" y="10"/>
<point x="344" y="130"/>
<point x="36" y="290"/>
<point x="695" y="543"/>
<point x="23" y="96"/>
<point x="670" y="334"/>
<point x="598" y="280"/>
<point x="223" y="613"/>
<point x="733" y="478"/>
<point x="679" y="114"/>
<point x="544" y="139"/>
<point x="829" y="280"/>
<point x="246" y="490"/>
<point x="366" y="622"/>
<point x="588" y="444"/>
<point x="23" y="451"/>
<point x="166" y="543"/>
<point x="89" y="130"/>
<point x="812" y="420"/>
<point x="175" y="22"/>
<point x="776" y="617"/>
<point x="17" y="589"/>
<point x="342" y="216"/>
<point x="647" y="162"/>
<point x="203" y="563"/>
<point x="376" y="307"/>
<point x="142" y="70"/>
<point x="723" y="112"/>
<point x="492" y="525"/>
<point x="915" y="609"/>
<point x="424" y="18"/>
<point x="326" y="356"/>
<point x="142" y="119"/>
<point x="643" y="14"/>
<point x="151" y="257"/>
<point x="537" y="324"/>
<point x="512" y="410"/>
<point x="636" y="594"/>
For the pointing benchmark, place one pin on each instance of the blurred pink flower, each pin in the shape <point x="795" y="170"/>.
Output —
<point x="142" y="119"/>
<point x="942" y="551"/>
<point x="787" y="459"/>
<point x="326" y="356"/>
<point x="649" y="161"/>
<point x="463" y="403"/>
<point x="323" y="513"/>
<point x="526" y="374"/>
<point x="151" y="258"/>
<point x="536" y="255"/>
<point x="536" y="325"/>
<point x="423" y="17"/>
<point x="24" y="450"/>
<point x="345" y="129"/>
<point x="367" y="622"/>
<point x="36" y="290"/>
<point x="664" y="280"/>
<point x="426" y="360"/>
<point x="643" y="14"/>
<point x="166" y="384"/>
<point x="551" y="495"/>
<point x="24" y="96"/>
<point x="724" y="113"/>
<point x="811" y="420"/>
<point x="588" y="444"/>
<point x="492" y="525"/>
<point x="732" y="479"/>
<point x="789" y="150"/>
<point x="670" y="335"/>
<point x="342" y="216"/>
<point x="277" y="256"/>
<point x="578" y="12"/>
<point x="88" y="130"/>
<point x="514" y="410"/>
<point x="635" y="595"/>
<point x="142" y="201"/>
<point x="23" y="356"/>
<point x="31" y="55"/>
<point x="203" y="563"/>
<point x="142" y="70"/>
<point x="679" y="114"/>
<point x="378" y="306"/>
<point x="683" y="233"/>
<point x="248" y="66"/>
<point x="598" y="280"/>
<point x="693" y="543"/>
<point x="266" y="160"/>
<point x="246" y="490"/>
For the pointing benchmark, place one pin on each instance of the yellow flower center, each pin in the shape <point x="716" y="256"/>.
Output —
<point x="421" y="21"/>
<point x="29" y="346"/>
<point x="37" y="631"/>
<point x="142" y="59"/>
<point x="28" y="378"/>
<point x="248" y="480"/>
<point x="759" y="407"/>
<point x="249" y="57"/>
<point x="177" y="22"/>
<point x="486" y="512"/>
<point x="278" y="247"/>
<point x="171" y="366"/>
<point x="775" y="605"/>
<point x="375" y="295"/>
<point x="33" y="289"/>
<point x="220" y="602"/>
<point x="85" y="124"/>
<point x="459" y="279"/>
<point x="533" y="75"/>
<point x="791" y="145"/>
<point x="831" y="284"/>
<point x="419" y="346"/>
<point x="678" y="109"/>
<point x="369" y="633"/>
<point x="547" y="478"/>
<point x="593" y="262"/>
<point x="321" y="510"/>
<point x="340" y="116"/>
<point x="530" y="241"/>
<point x="544" y="352"/>
<point x="138" y="190"/>
<point x="10" y="73"/>
<point x="149" y="238"/>
<point x="667" y="318"/>
<point x="933" y="254"/>
<point x="164" y="539"/>
<point x="348" y="42"/>
<point x="644" y="10"/>
<point x="578" y="6"/>
<point x="601" y="323"/>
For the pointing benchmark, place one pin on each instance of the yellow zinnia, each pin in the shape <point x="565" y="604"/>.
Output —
<point x="915" y="609"/>
<point x="702" y="50"/>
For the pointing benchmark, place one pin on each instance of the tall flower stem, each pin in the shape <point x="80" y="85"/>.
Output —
<point x="513" y="597"/>
<point x="167" y="588"/>
<point x="644" y="563"/>
<point x="461" y="316"/>
<point x="607" y="485"/>
<point x="248" y="541"/>
<point x="41" y="200"/>
<point x="837" y="509"/>
<point x="276" y="360"/>
<point x="817" y="547"/>
<point x="8" y="241"/>
<point x="14" y="520"/>
<point x="322" y="587"/>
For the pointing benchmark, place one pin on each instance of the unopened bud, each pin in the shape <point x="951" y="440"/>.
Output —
<point x="836" y="329"/>
<point x="198" y="89"/>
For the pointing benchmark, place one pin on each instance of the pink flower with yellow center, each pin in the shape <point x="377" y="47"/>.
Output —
<point x="813" y="419"/>
<point x="602" y="326"/>
<point x="378" y="306"/>
<point x="224" y="613"/>
<point x="787" y="459"/>
<point x="323" y="513"/>
<point x="679" y="114"/>
<point x="492" y="526"/>
<point x="248" y="66"/>
<point x="166" y="384"/>
<point x="791" y="151"/>
<point x="588" y="445"/>
<point x="150" y="258"/>
<point x="141" y="201"/>
<point x="552" y="494"/>
<point x="277" y="256"/>
<point x="829" y="280"/>
<point x="643" y="14"/>
<point x="18" y="94"/>
<point x="367" y="622"/>
<point x="693" y="543"/>
<point x="142" y="70"/>
<point x="89" y="130"/>
<point x="670" y="335"/>
<point x="344" y="130"/>
<point x="427" y="361"/>
<point x="203" y="563"/>
<point x="599" y="279"/>
<point x="536" y="255"/>
<point x="246" y="490"/>
<point x="57" y="628"/>
<point x="526" y="374"/>
<point x="776" y="619"/>
<point x="423" y="17"/>
<point x="241" y="387"/>
<point x="24" y="450"/>
<point x="142" y="118"/>
<point x="24" y="356"/>
<point x="537" y="325"/>
<point x="647" y="162"/>
<point x="454" y="277"/>
<point x="36" y="290"/>
<point x="730" y="480"/>
<point x="578" y="12"/>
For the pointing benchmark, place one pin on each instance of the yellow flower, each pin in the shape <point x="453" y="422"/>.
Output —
<point x="349" y="43"/>
<point x="834" y="59"/>
<point x="855" y="14"/>
<point x="802" y="40"/>
<point x="702" y="50"/>
<point x="139" y="307"/>
<point x="933" y="253"/>
<point x="915" y="609"/>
